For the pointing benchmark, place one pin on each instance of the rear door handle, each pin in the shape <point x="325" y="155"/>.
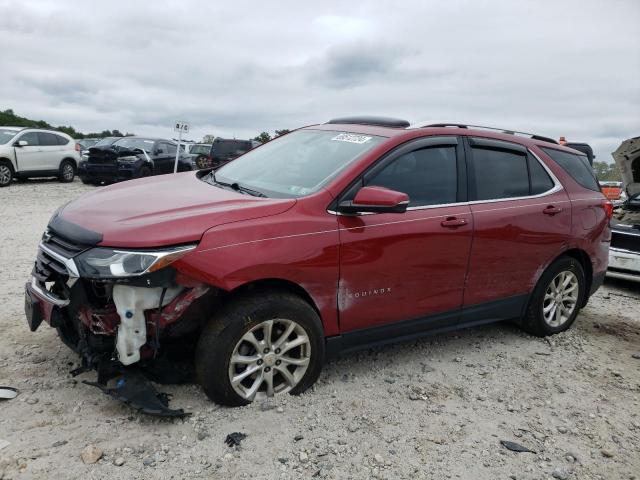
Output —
<point x="453" y="222"/>
<point x="551" y="210"/>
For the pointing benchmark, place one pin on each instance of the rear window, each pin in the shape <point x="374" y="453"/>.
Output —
<point x="577" y="166"/>
<point x="498" y="174"/>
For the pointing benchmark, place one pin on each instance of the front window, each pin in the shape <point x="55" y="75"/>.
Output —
<point x="297" y="164"/>
<point x="6" y="135"/>
<point x="133" y="143"/>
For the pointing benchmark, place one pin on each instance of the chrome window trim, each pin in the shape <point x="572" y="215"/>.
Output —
<point x="68" y="262"/>
<point x="557" y="187"/>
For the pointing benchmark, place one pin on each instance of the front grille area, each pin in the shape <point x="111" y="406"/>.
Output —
<point x="625" y="241"/>
<point x="48" y="268"/>
<point x="102" y="156"/>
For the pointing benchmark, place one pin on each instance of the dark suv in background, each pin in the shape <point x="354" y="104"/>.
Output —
<point x="131" y="157"/>
<point x="224" y="150"/>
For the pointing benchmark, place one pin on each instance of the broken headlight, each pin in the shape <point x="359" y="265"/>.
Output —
<point x="116" y="263"/>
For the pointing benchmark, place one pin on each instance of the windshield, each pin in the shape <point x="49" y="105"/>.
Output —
<point x="133" y="143"/>
<point x="105" y="142"/>
<point x="296" y="164"/>
<point x="6" y="135"/>
<point x="200" y="149"/>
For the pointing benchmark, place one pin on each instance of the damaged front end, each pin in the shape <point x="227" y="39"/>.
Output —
<point x="121" y="310"/>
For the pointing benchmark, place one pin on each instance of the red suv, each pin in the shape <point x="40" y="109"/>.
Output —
<point x="332" y="238"/>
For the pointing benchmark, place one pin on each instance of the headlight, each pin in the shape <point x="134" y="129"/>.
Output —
<point x="129" y="159"/>
<point x="116" y="263"/>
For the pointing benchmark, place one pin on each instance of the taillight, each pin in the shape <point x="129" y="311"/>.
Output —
<point x="77" y="147"/>
<point x="608" y="208"/>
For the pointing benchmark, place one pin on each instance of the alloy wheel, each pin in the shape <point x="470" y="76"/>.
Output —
<point x="271" y="358"/>
<point x="5" y="175"/>
<point x="560" y="299"/>
<point x="67" y="171"/>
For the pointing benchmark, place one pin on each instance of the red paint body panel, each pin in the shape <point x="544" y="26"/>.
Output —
<point x="402" y="266"/>
<point x="513" y="243"/>
<point x="164" y="210"/>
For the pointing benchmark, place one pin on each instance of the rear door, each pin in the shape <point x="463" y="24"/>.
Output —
<point x="522" y="220"/>
<point x="30" y="157"/>
<point x="408" y="266"/>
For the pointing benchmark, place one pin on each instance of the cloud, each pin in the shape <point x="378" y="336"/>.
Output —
<point x="240" y="68"/>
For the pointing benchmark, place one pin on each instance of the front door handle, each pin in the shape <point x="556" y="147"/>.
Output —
<point x="551" y="210"/>
<point x="453" y="222"/>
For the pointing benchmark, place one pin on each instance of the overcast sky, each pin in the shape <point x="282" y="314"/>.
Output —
<point x="552" y="67"/>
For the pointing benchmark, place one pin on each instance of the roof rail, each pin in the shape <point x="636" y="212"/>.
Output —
<point x="372" y="120"/>
<point x="533" y="136"/>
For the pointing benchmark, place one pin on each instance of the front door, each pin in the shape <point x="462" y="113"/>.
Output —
<point x="30" y="157"/>
<point x="412" y="265"/>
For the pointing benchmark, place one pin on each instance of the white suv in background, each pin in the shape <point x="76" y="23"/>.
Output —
<point x="35" y="152"/>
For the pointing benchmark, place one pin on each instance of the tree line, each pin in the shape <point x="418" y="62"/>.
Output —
<point x="9" y="118"/>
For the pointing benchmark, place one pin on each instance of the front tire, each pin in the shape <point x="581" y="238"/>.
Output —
<point x="260" y="345"/>
<point x="557" y="298"/>
<point x="67" y="171"/>
<point x="6" y="173"/>
<point x="144" y="172"/>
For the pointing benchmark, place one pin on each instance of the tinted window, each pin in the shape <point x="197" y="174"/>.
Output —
<point x="540" y="179"/>
<point x="47" y="139"/>
<point x="224" y="147"/>
<point x="428" y="176"/>
<point x="61" y="140"/>
<point x="498" y="174"/>
<point x="170" y="148"/>
<point x="31" y="137"/>
<point x="577" y="166"/>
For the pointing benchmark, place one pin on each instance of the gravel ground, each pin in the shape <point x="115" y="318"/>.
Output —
<point x="435" y="408"/>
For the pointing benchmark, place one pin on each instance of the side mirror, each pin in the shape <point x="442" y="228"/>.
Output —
<point x="375" y="200"/>
<point x="21" y="143"/>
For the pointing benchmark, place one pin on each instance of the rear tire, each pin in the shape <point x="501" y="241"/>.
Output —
<point x="557" y="298"/>
<point x="67" y="171"/>
<point x="6" y="173"/>
<point x="145" y="172"/>
<point x="225" y="336"/>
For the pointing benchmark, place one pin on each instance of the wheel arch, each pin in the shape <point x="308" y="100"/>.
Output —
<point x="70" y="159"/>
<point x="277" y="284"/>
<point x="8" y="160"/>
<point x="585" y="261"/>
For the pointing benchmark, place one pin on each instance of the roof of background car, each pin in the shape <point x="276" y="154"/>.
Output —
<point x="410" y="133"/>
<point x="13" y="128"/>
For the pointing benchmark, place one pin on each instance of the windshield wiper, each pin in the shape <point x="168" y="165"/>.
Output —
<point x="235" y="186"/>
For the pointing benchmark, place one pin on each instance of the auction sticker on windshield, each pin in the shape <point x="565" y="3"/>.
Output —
<point x="351" y="138"/>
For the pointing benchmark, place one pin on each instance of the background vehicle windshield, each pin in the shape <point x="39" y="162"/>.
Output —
<point x="200" y="149"/>
<point x="133" y="143"/>
<point x="105" y="142"/>
<point x="6" y="135"/>
<point x="297" y="164"/>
